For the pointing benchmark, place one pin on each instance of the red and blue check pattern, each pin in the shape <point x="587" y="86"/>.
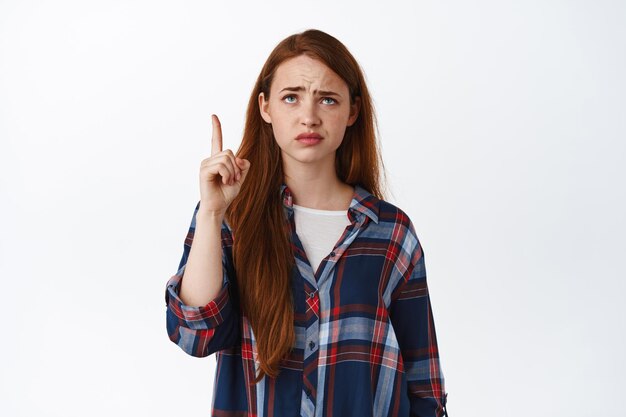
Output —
<point x="365" y="334"/>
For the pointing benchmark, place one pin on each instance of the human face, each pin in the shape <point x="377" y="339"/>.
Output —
<point x="308" y="97"/>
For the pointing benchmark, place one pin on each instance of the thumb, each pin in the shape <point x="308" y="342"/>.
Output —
<point x="244" y="164"/>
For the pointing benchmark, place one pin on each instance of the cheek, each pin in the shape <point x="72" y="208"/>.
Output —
<point x="339" y="122"/>
<point x="281" y="132"/>
<point x="339" y="117"/>
<point x="281" y="116"/>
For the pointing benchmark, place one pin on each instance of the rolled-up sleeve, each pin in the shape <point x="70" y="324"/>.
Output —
<point x="204" y="317"/>
<point x="202" y="330"/>
<point x="412" y="320"/>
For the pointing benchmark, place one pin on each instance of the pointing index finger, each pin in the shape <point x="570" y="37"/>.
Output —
<point x="216" y="139"/>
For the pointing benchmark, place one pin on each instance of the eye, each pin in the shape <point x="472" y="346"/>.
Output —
<point x="289" y="99"/>
<point x="328" y="100"/>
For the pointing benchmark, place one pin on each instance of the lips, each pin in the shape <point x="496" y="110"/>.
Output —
<point x="309" y="136"/>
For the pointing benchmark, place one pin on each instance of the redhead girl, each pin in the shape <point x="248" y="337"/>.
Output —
<point x="307" y="285"/>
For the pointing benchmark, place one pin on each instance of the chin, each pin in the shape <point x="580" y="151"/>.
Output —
<point x="303" y="158"/>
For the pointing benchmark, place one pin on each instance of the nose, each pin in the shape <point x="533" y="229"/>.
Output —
<point x="309" y="113"/>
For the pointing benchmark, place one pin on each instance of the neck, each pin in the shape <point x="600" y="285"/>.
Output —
<point x="318" y="188"/>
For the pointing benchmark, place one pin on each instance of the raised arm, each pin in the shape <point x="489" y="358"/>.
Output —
<point x="201" y="318"/>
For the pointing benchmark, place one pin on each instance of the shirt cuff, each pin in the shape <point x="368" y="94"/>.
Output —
<point x="208" y="316"/>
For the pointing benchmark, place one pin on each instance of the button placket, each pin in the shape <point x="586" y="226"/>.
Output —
<point x="312" y="302"/>
<point x="311" y="339"/>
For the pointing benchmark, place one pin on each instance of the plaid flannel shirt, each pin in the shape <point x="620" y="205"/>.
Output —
<point x="365" y="334"/>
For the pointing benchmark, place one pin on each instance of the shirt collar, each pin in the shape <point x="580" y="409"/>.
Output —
<point x="363" y="202"/>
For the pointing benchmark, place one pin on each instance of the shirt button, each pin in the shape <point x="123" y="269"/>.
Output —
<point x="311" y="294"/>
<point x="332" y="254"/>
<point x="311" y="344"/>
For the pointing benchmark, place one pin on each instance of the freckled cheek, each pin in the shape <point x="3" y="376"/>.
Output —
<point x="336" y="118"/>
<point x="282" y="134"/>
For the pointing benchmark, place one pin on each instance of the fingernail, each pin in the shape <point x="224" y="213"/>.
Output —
<point x="238" y="177"/>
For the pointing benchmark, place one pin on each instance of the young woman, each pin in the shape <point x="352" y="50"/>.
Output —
<point x="309" y="286"/>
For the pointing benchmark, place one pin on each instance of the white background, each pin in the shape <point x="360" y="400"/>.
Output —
<point x="503" y="132"/>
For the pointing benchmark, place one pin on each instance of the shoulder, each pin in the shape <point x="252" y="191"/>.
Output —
<point x="398" y="221"/>
<point x="389" y="212"/>
<point x="394" y="229"/>
<point x="384" y="213"/>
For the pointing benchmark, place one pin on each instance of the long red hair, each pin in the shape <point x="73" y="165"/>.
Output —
<point x="262" y="253"/>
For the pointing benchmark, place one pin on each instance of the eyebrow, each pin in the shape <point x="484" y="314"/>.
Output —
<point x="320" y="92"/>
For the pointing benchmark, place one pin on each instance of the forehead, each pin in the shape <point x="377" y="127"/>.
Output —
<point x="304" y="71"/>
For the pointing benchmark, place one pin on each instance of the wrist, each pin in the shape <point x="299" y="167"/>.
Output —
<point x="210" y="215"/>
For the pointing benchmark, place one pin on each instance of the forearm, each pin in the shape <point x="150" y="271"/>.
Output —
<point x="203" y="273"/>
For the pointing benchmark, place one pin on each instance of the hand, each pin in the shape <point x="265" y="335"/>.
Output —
<point x="221" y="175"/>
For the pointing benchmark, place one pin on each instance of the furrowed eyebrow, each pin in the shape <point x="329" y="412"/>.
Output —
<point x="319" y="92"/>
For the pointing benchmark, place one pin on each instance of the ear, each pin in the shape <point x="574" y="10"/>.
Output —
<point x="263" y="108"/>
<point x="354" y="111"/>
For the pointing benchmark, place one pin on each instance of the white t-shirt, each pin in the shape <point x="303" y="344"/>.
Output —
<point x="319" y="231"/>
